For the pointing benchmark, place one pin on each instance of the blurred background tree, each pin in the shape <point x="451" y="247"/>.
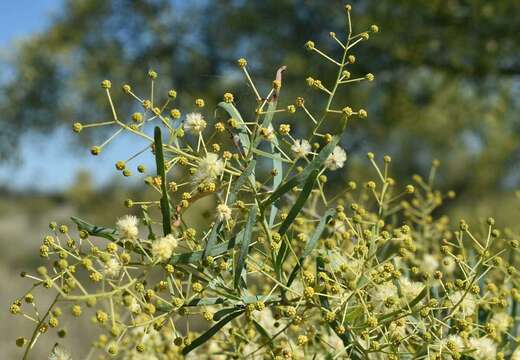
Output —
<point x="446" y="72"/>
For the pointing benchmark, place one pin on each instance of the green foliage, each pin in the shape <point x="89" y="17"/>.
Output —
<point x="165" y="200"/>
<point x="244" y="246"/>
<point x="286" y="266"/>
<point x="210" y="332"/>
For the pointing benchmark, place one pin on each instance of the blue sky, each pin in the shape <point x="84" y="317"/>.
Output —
<point x="21" y="18"/>
<point x="50" y="163"/>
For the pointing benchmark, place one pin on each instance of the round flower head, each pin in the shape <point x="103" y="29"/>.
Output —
<point x="339" y="227"/>
<point x="430" y="263"/>
<point x="336" y="159"/>
<point x="353" y="268"/>
<point x="397" y="329"/>
<point x="59" y="353"/>
<point x="516" y="354"/>
<point x="502" y="321"/>
<point x="448" y="264"/>
<point x="410" y="289"/>
<point x="223" y="212"/>
<point x="485" y="348"/>
<point x="112" y="267"/>
<point x="456" y="342"/>
<point x="194" y="123"/>
<point x="301" y="148"/>
<point x="134" y="306"/>
<point x="453" y="343"/>
<point x="382" y="293"/>
<point x="209" y="168"/>
<point x="467" y="306"/>
<point x="268" y="133"/>
<point x="162" y="249"/>
<point x="127" y="227"/>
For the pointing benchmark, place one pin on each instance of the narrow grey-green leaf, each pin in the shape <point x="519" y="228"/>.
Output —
<point x="320" y="267"/>
<point x="299" y="179"/>
<point x="264" y="333"/>
<point x="165" y="201"/>
<point x="148" y="221"/>
<point x="237" y="302"/>
<point x="233" y="194"/>
<point x="300" y="202"/>
<point x="210" y="332"/>
<point x="324" y="301"/>
<point x="212" y="238"/>
<point x="277" y="158"/>
<point x="295" y="210"/>
<point x="244" y="246"/>
<point x="219" y="249"/>
<point x="223" y="312"/>
<point x="242" y="127"/>
<point x="516" y="323"/>
<point x="389" y="316"/>
<point x="237" y="185"/>
<point x="107" y="233"/>
<point x="94" y="230"/>
<point x="312" y="242"/>
<point x="277" y="180"/>
<point x="194" y="256"/>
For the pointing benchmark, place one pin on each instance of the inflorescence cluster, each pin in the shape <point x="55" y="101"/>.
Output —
<point x="287" y="267"/>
